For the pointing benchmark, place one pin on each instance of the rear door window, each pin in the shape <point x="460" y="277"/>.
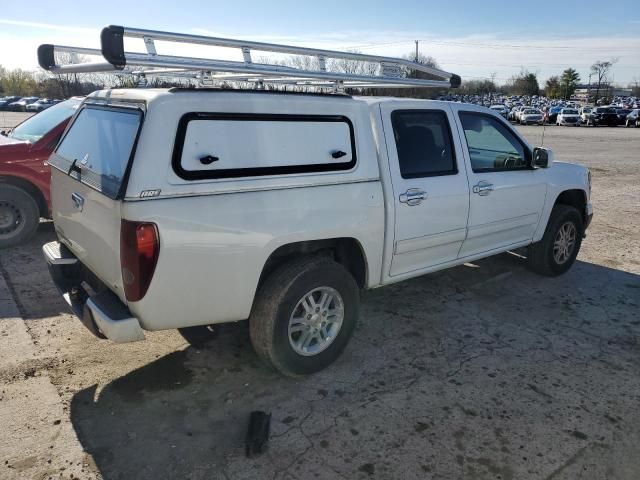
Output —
<point x="424" y="143"/>
<point x="97" y="148"/>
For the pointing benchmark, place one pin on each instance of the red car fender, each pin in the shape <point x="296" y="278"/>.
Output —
<point x="30" y="165"/>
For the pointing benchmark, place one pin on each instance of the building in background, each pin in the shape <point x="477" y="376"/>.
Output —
<point x="586" y="93"/>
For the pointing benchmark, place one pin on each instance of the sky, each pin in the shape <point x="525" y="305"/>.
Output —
<point x="475" y="39"/>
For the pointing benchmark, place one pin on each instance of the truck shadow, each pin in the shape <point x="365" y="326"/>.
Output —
<point x="436" y="362"/>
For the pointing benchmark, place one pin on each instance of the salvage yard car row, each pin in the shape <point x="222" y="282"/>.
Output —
<point x="572" y="116"/>
<point x="26" y="104"/>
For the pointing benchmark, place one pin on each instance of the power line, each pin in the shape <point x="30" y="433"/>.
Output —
<point x="499" y="45"/>
<point x="532" y="65"/>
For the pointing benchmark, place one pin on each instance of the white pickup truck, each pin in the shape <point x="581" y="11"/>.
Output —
<point x="179" y="208"/>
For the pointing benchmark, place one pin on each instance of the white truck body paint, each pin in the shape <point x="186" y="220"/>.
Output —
<point x="217" y="234"/>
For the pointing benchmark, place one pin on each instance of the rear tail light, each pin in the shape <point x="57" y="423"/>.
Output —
<point x="139" y="249"/>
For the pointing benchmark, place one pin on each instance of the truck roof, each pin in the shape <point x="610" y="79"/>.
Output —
<point x="149" y="95"/>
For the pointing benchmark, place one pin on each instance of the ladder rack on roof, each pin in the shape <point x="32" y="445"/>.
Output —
<point x="392" y="72"/>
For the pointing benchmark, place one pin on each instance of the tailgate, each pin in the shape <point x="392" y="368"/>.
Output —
<point x="88" y="176"/>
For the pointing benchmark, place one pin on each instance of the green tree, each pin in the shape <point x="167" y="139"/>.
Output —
<point x="552" y="87"/>
<point x="525" y="83"/>
<point x="18" y="82"/>
<point x="568" y="82"/>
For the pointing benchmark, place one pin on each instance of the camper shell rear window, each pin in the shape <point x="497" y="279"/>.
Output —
<point x="98" y="147"/>
<point x="232" y="145"/>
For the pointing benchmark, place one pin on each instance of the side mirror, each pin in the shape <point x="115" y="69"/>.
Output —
<point x="542" y="158"/>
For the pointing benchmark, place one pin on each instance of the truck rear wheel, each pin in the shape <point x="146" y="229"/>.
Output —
<point x="19" y="216"/>
<point x="304" y="315"/>
<point x="559" y="247"/>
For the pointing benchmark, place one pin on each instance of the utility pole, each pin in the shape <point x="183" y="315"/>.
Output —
<point x="417" y="41"/>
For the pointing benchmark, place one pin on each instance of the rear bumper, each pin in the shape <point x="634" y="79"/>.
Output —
<point x="97" y="307"/>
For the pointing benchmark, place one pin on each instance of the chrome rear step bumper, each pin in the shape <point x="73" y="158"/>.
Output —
<point x="97" y="307"/>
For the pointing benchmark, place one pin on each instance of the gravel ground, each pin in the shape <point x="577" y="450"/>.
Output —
<point x="484" y="371"/>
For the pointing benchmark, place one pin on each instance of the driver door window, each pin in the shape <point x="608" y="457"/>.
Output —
<point x="492" y="147"/>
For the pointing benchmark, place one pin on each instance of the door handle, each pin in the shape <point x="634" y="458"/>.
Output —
<point x="78" y="200"/>
<point x="483" y="188"/>
<point x="413" y="196"/>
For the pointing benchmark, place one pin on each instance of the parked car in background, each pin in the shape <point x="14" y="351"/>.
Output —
<point x="585" y="115"/>
<point x="604" y="116"/>
<point x="569" y="116"/>
<point x="24" y="173"/>
<point x="501" y="109"/>
<point x="622" y="115"/>
<point x="633" y="119"/>
<point x="552" y="117"/>
<point x="531" y="116"/>
<point x="40" y="105"/>
<point x="519" y="111"/>
<point x="5" y="101"/>
<point x="21" y="105"/>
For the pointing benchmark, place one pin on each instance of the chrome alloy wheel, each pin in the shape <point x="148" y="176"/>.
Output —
<point x="316" y="321"/>
<point x="564" y="243"/>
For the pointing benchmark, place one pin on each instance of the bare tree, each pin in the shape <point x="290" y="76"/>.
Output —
<point x="635" y="86"/>
<point x="601" y="69"/>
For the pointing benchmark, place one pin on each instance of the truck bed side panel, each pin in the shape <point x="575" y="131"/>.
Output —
<point x="213" y="247"/>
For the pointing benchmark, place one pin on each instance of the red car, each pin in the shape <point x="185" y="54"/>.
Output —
<point x="24" y="173"/>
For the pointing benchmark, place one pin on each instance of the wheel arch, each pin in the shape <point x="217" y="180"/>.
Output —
<point x="576" y="198"/>
<point x="346" y="251"/>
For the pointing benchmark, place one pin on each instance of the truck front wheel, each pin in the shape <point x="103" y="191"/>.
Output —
<point x="19" y="216"/>
<point x="304" y="315"/>
<point x="559" y="247"/>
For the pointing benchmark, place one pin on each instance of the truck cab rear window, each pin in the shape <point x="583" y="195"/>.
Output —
<point x="231" y="145"/>
<point x="423" y="142"/>
<point x="97" y="148"/>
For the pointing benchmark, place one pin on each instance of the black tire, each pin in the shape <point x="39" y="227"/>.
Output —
<point x="19" y="216"/>
<point x="541" y="258"/>
<point x="276" y="301"/>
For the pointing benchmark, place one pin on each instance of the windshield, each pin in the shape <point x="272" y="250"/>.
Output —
<point x="605" y="110"/>
<point x="34" y="128"/>
<point x="569" y="111"/>
<point x="531" y="111"/>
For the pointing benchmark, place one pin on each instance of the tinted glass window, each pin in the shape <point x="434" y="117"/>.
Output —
<point x="492" y="146"/>
<point x="100" y="142"/>
<point x="423" y="141"/>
